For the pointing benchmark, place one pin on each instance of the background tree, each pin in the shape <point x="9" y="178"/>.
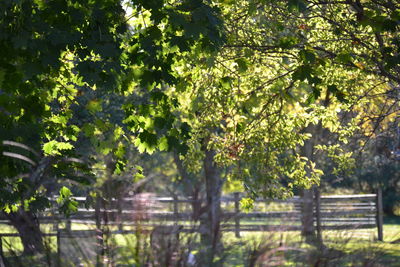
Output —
<point x="305" y="70"/>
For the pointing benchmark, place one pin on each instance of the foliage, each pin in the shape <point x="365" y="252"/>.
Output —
<point x="247" y="79"/>
<point x="58" y="57"/>
<point x="67" y="204"/>
<point x="284" y="69"/>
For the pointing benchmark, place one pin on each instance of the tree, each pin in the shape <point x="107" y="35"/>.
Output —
<point x="292" y="75"/>
<point x="51" y="50"/>
<point x="374" y="165"/>
<point x="249" y="90"/>
<point x="364" y="42"/>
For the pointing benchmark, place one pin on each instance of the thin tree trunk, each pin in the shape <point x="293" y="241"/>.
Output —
<point x="308" y="230"/>
<point x="210" y="221"/>
<point x="192" y="185"/>
<point x="307" y="208"/>
<point x="28" y="228"/>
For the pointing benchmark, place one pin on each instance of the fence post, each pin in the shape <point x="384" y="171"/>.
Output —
<point x="2" y="258"/>
<point x="99" y="232"/>
<point x="175" y="207"/>
<point x="318" y="214"/>
<point x="119" y="215"/>
<point x="1" y="247"/>
<point x="56" y="219"/>
<point x="379" y="214"/>
<point x="68" y="225"/>
<point x="237" y="210"/>
<point x="58" y="248"/>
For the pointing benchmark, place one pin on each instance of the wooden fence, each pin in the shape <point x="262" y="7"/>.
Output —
<point x="335" y="212"/>
<point x="330" y="212"/>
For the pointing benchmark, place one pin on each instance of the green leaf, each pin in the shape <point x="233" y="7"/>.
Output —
<point x="332" y="88"/>
<point x="53" y="147"/>
<point x="119" y="167"/>
<point x="88" y="129"/>
<point x="7" y="209"/>
<point x="242" y="65"/>
<point x="247" y="203"/>
<point x="344" y="57"/>
<point x="302" y="73"/>
<point x="94" y="106"/>
<point x="226" y="82"/>
<point x="163" y="144"/>
<point x="146" y="142"/>
<point x="67" y="205"/>
<point x="338" y="94"/>
<point x="138" y="176"/>
<point x="64" y="192"/>
<point x="120" y="152"/>
<point x="64" y="146"/>
<point x="160" y="123"/>
<point x="307" y="56"/>
<point x="316" y="93"/>
<point x="288" y="42"/>
<point x="148" y="138"/>
<point x="185" y="130"/>
<point x="297" y="5"/>
<point x="50" y="148"/>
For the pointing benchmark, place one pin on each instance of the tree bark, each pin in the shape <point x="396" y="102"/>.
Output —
<point x="28" y="228"/>
<point x="308" y="229"/>
<point x="25" y="221"/>
<point x="210" y="221"/>
<point x="192" y="185"/>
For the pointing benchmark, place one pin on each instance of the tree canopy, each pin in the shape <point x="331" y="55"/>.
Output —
<point x="246" y="79"/>
<point x="259" y="96"/>
<point x="59" y="58"/>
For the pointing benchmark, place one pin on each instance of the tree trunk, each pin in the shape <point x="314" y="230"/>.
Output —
<point x="192" y="185"/>
<point x="25" y="221"/>
<point x="28" y="228"/>
<point x="307" y="207"/>
<point x="308" y="230"/>
<point x="210" y="221"/>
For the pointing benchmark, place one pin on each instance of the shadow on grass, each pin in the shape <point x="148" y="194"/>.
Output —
<point x="391" y="220"/>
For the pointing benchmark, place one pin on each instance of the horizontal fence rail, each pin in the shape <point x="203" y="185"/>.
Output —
<point x="330" y="213"/>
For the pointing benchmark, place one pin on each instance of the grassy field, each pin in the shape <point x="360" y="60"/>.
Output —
<point x="342" y="248"/>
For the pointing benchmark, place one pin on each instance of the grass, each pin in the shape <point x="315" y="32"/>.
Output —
<point x="344" y="248"/>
